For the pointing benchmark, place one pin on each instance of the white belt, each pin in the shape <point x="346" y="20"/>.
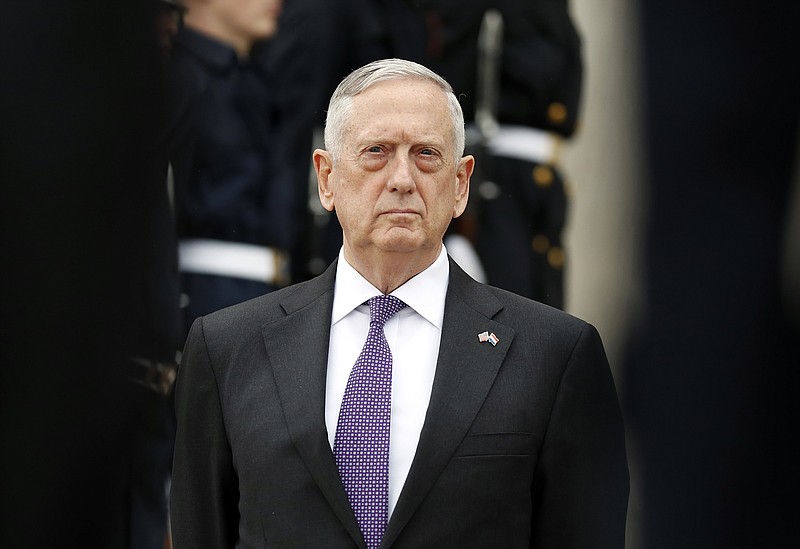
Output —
<point x="525" y="143"/>
<point x="234" y="259"/>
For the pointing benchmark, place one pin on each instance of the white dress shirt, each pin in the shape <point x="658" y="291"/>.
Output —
<point x="413" y="335"/>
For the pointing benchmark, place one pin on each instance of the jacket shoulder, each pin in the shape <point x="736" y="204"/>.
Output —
<point x="259" y="311"/>
<point x="510" y="308"/>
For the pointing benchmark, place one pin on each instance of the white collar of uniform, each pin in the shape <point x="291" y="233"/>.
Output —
<point x="425" y="293"/>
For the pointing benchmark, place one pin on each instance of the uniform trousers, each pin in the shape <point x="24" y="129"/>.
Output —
<point x="521" y="221"/>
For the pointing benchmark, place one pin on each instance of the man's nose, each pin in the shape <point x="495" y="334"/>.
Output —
<point x="401" y="177"/>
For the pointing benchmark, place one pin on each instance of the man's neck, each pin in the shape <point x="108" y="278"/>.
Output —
<point x="387" y="271"/>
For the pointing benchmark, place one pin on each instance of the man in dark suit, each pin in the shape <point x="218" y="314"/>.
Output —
<point x="504" y="425"/>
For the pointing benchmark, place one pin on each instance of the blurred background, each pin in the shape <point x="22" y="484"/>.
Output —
<point x="682" y="240"/>
<point x="683" y="243"/>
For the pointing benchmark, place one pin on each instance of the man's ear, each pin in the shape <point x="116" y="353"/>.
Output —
<point x="465" y="167"/>
<point x="323" y="165"/>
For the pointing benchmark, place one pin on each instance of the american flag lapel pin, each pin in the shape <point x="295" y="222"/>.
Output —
<point x="483" y="337"/>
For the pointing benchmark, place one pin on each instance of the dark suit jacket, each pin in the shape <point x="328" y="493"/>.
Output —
<point x="522" y="446"/>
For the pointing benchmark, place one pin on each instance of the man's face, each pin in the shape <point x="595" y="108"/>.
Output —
<point x="249" y="19"/>
<point x="398" y="183"/>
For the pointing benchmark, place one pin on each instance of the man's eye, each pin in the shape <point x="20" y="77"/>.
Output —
<point x="374" y="149"/>
<point x="427" y="152"/>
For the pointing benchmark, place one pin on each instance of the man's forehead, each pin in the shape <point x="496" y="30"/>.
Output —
<point x="399" y="136"/>
<point x="400" y="111"/>
<point x="401" y="128"/>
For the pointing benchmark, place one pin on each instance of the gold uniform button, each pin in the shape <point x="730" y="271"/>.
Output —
<point x="540" y="243"/>
<point x="555" y="257"/>
<point x="557" y="113"/>
<point x="542" y="176"/>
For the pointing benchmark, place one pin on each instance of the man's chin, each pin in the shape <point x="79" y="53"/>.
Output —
<point x="401" y="240"/>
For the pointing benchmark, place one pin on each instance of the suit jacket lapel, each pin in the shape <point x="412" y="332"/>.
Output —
<point x="465" y="371"/>
<point x="297" y="346"/>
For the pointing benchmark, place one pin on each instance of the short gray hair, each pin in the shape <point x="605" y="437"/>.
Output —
<point x="384" y="70"/>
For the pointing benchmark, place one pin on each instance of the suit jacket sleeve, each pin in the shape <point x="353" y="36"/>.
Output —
<point x="581" y="481"/>
<point x="204" y="495"/>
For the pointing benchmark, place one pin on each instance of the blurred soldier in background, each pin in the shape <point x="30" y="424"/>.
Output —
<point x="521" y="87"/>
<point x="231" y="198"/>
<point x="318" y="43"/>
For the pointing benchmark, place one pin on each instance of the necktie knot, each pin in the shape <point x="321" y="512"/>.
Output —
<point x="383" y="307"/>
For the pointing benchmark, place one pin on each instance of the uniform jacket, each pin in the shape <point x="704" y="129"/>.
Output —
<point x="522" y="445"/>
<point x="229" y="184"/>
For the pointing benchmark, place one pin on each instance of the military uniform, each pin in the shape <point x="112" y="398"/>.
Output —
<point x="231" y="195"/>
<point x="519" y="199"/>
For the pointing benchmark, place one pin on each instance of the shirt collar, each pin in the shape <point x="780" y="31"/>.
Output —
<point x="425" y="293"/>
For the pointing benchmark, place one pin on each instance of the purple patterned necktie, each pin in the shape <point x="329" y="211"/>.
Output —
<point x="361" y="445"/>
